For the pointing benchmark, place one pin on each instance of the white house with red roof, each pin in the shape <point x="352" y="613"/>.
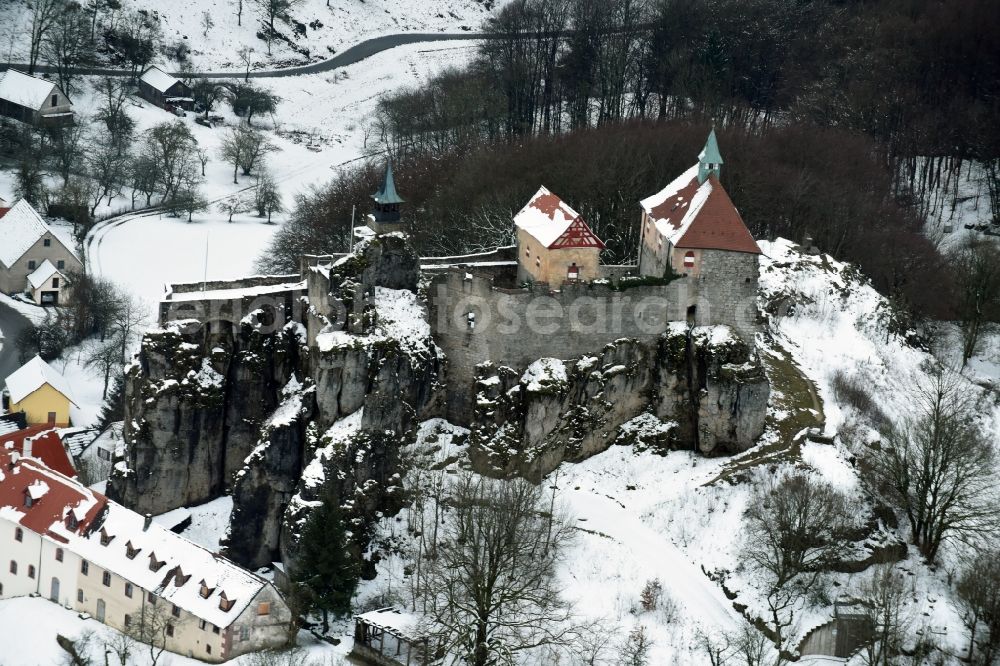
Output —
<point x="74" y="546"/>
<point x="554" y="243"/>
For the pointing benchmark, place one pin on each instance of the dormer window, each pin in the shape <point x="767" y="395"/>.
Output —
<point x="131" y="551"/>
<point x="105" y="537"/>
<point x="71" y="522"/>
<point x="179" y="577"/>
<point x="155" y="564"/>
<point x="225" y="603"/>
<point x="28" y="501"/>
<point x="205" y="590"/>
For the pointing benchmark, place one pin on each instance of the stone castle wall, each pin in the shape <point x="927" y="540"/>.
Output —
<point x="474" y="321"/>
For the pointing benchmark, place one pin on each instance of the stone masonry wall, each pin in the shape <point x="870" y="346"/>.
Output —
<point x="515" y="327"/>
<point x="727" y="289"/>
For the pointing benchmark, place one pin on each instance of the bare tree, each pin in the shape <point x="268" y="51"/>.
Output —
<point x="245" y="54"/>
<point x="67" y="148"/>
<point x="122" y="646"/>
<point x="267" y="198"/>
<point x="151" y="628"/>
<point x="244" y="147"/>
<point x="171" y="147"/>
<point x="67" y="44"/>
<point x="269" y="11"/>
<point x="106" y="356"/>
<point x="636" y="647"/>
<point x="233" y="205"/>
<point x="206" y="23"/>
<point x="795" y="528"/>
<point x="978" y="599"/>
<point x="976" y="266"/>
<point x="937" y="467"/>
<point x="492" y="585"/>
<point x="715" y="646"/>
<point x="113" y="93"/>
<point x="127" y="319"/>
<point x="44" y="14"/>
<point x="883" y="594"/>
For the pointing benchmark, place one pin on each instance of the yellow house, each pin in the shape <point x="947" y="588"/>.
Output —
<point x="41" y="392"/>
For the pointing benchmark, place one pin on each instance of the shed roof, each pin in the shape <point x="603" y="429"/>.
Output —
<point x="158" y="79"/>
<point x="24" y="89"/>
<point x="548" y="219"/>
<point x="32" y="376"/>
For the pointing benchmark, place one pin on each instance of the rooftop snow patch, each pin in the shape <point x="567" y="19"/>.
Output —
<point x="20" y="228"/>
<point x="26" y="90"/>
<point x="158" y="79"/>
<point x="42" y="274"/>
<point x="546" y="218"/>
<point x="32" y="376"/>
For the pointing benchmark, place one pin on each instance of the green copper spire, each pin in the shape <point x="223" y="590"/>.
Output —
<point x="388" y="195"/>
<point x="710" y="159"/>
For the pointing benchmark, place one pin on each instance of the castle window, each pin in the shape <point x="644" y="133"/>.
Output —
<point x="527" y="252"/>
<point x="128" y="590"/>
<point x="31" y="571"/>
<point x="538" y="262"/>
<point x="470" y="319"/>
<point x="47" y="242"/>
<point x="264" y="608"/>
<point x="13" y="567"/>
<point x="128" y="620"/>
<point x="106" y="579"/>
<point x="175" y="611"/>
<point x="79" y="596"/>
<point x="84" y="567"/>
<point x="689" y="259"/>
<point x="170" y="630"/>
<point x="18" y="534"/>
<point x="244" y="633"/>
<point x="573" y="272"/>
<point x="59" y="554"/>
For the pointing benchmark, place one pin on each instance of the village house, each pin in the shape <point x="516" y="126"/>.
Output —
<point x="554" y="243"/>
<point x="34" y="101"/>
<point x="28" y="242"/>
<point x="74" y="546"/>
<point x="163" y="90"/>
<point x="41" y="393"/>
<point x="692" y="223"/>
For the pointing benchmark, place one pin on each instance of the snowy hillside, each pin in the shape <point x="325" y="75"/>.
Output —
<point x="329" y="28"/>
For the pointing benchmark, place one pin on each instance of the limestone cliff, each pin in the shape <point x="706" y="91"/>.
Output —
<point x="704" y="385"/>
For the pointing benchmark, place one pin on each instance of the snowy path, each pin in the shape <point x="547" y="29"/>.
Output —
<point x="657" y="557"/>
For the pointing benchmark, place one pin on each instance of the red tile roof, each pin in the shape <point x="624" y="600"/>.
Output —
<point x="54" y="497"/>
<point x="46" y="446"/>
<point x="701" y="216"/>
<point x="3" y="211"/>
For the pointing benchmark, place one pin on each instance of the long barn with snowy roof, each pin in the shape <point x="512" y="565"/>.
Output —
<point x="34" y="101"/>
<point x="74" y="546"/>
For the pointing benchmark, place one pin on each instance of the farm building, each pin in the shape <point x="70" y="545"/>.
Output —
<point x="34" y="101"/>
<point x="164" y="90"/>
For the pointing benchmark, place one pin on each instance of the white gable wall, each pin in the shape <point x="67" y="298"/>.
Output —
<point x="13" y="279"/>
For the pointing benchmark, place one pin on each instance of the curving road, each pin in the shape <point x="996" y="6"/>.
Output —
<point x="351" y="56"/>
<point x="12" y="323"/>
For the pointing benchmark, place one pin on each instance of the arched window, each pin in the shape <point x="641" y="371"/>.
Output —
<point x="689" y="259"/>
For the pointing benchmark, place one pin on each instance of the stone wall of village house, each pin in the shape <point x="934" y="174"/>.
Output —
<point x="538" y="264"/>
<point x="15" y="279"/>
<point x="654" y="250"/>
<point x="253" y="631"/>
<point x="594" y="315"/>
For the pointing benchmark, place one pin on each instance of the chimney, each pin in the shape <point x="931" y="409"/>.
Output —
<point x="147" y="521"/>
<point x="26" y="449"/>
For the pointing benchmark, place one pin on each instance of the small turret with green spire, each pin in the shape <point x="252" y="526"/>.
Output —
<point x="710" y="159"/>
<point x="387" y="200"/>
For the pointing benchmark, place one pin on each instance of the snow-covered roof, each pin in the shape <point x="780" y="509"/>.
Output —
<point x="20" y="228"/>
<point x="32" y="376"/>
<point x="395" y="621"/>
<point x="77" y="439"/>
<point x="158" y="79"/>
<point x="181" y="565"/>
<point x="41" y="275"/>
<point x="547" y="219"/>
<point x="20" y="88"/>
<point x="699" y="215"/>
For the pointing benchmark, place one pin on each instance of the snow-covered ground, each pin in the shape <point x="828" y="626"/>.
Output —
<point x="329" y="29"/>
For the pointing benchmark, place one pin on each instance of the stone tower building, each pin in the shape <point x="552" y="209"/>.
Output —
<point x="385" y="216"/>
